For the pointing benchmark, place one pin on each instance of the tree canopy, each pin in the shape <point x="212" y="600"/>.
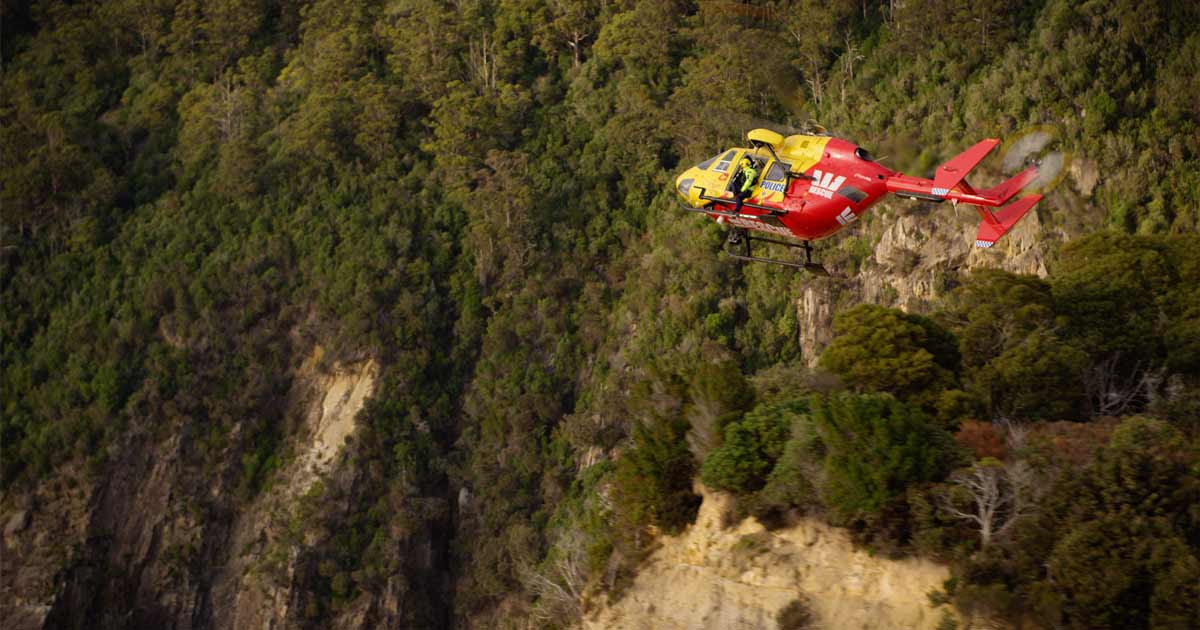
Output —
<point x="475" y="195"/>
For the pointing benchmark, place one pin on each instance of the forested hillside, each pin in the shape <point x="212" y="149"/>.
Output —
<point x="475" y="195"/>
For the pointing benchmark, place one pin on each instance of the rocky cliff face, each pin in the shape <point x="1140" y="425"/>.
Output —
<point x="746" y="576"/>
<point x="919" y="251"/>
<point x="159" y="543"/>
<point x="161" y="539"/>
<point x="245" y="592"/>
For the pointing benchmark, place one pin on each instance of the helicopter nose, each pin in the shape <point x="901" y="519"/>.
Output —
<point x="684" y="185"/>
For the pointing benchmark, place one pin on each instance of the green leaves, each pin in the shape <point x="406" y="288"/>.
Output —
<point x="476" y="195"/>
<point x="994" y="309"/>
<point x="653" y="479"/>
<point x="886" y="350"/>
<point x="750" y="449"/>
<point x="877" y="446"/>
<point x="855" y="455"/>
<point x="1089" y="340"/>
<point x="1126" y="561"/>
<point x="1040" y="377"/>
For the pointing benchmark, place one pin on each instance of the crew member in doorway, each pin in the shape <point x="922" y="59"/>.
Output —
<point x="749" y="174"/>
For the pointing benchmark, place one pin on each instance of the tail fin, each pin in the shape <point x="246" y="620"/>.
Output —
<point x="951" y="173"/>
<point x="997" y="224"/>
<point x="1001" y="193"/>
<point x="949" y="182"/>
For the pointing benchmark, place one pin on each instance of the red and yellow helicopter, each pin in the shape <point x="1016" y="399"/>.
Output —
<point x="808" y="187"/>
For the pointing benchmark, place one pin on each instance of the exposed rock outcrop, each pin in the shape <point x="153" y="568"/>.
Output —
<point x="921" y="250"/>
<point x="744" y="576"/>
<point x="243" y="595"/>
<point x="156" y="542"/>
<point x="42" y="529"/>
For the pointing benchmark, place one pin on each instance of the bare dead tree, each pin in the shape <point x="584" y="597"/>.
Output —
<point x="230" y="108"/>
<point x="575" y="40"/>
<point x="1153" y="384"/>
<point x="851" y="55"/>
<point x="998" y="496"/>
<point x="482" y="64"/>
<point x="1112" y="393"/>
<point x="816" y="86"/>
<point x="559" y="587"/>
<point x="705" y="434"/>
<point x="813" y="57"/>
<point x="1015" y="435"/>
<point x="1024" y="488"/>
<point x="893" y="7"/>
<point x="983" y="484"/>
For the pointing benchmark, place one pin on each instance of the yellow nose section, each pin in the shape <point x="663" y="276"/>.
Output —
<point x="684" y="184"/>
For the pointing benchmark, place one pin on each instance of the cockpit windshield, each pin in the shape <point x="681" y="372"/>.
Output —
<point x="723" y="165"/>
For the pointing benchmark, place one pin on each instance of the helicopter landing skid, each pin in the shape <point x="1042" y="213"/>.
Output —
<point x="739" y="239"/>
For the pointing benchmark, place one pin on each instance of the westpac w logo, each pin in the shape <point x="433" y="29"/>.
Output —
<point x="825" y="184"/>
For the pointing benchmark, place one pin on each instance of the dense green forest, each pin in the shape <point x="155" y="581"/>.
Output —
<point x="475" y="193"/>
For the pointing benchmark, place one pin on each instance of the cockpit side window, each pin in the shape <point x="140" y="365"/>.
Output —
<point x="707" y="163"/>
<point x="726" y="160"/>
<point x="777" y="172"/>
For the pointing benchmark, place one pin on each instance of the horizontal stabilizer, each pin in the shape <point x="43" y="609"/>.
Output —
<point x="997" y="224"/>
<point x="951" y="173"/>
<point x="1001" y="193"/>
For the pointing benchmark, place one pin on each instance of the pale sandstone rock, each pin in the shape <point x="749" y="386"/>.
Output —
<point x="740" y="578"/>
<point x="331" y="401"/>
<point x="921" y="251"/>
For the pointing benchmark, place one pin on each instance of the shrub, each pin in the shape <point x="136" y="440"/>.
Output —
<point x="719" y="394"/>
<point x="887" y="350"/>
<point x="877" y="446"/>
<point x="654" y="478"/>
<point x="982" y="439"/>
<point x="1040" y="378"/>
<point x="796" y="476"/>
<point x="750" y="449"/>
<point x="1123" y="572"/>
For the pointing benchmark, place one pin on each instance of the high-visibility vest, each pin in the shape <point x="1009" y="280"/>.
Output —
<point x="749" y="174"/>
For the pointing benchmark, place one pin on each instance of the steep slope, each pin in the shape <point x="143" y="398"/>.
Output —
<point x="471" y="201"/>
<point x="920" y="251"/>
<point x="72" y="552"/>
<point x="744" y="576"/>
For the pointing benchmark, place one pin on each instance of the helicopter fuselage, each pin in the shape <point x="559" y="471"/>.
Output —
<point x="809" y="188"/>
